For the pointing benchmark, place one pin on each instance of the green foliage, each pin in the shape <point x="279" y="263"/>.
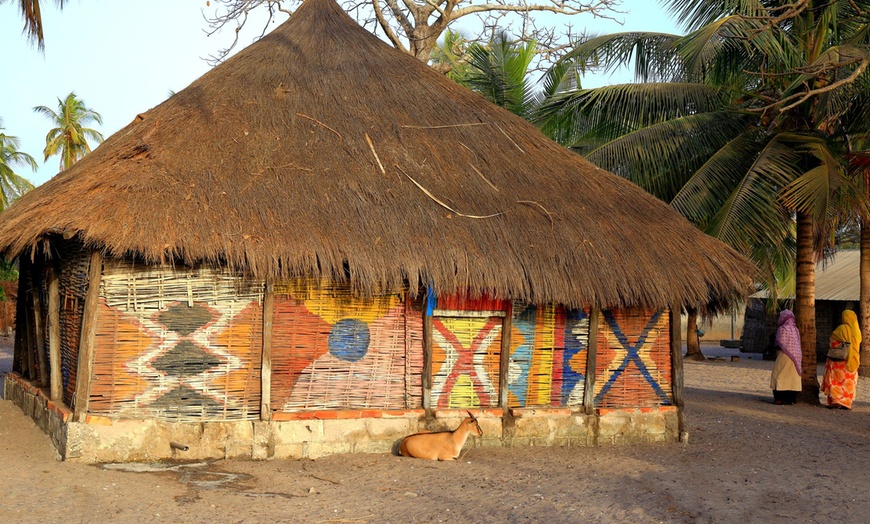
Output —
<point x="69" y="138"/>
<point x="501" y="71"/>
<point x="8" y="273"/>
<point x="12" y="185"/>
<point x="756" y="114"/>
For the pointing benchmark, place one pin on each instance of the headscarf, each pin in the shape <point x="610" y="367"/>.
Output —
<point x="788" y="338"/>
<point x="850" y="331"/>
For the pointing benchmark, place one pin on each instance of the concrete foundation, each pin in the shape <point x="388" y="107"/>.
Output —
<point x="316" y="434"/>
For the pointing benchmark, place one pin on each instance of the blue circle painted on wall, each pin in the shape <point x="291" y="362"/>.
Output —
<point x="349" y="339"/>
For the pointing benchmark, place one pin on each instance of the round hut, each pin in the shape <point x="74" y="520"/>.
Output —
<point x="322" y="245"/>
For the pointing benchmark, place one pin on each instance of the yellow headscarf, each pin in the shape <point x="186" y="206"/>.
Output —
<point x="850" y="331"/>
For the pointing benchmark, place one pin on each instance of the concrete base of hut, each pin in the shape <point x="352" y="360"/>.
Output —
<point x="316" y="434"/>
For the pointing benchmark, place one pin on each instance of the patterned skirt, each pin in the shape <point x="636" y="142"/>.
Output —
<point x="839" y="384"/>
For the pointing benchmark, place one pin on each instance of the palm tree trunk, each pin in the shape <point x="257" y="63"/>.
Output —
<point x="805" y="308"/>
<point x="693" y="342"/>
<point x="864" y="368"/>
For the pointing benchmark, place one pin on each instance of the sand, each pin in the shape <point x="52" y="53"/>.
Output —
<point x="747" y="460"/>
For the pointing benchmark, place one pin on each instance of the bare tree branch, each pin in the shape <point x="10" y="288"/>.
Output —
<point x="803" y="96"/>
<point x="414" y="26"/>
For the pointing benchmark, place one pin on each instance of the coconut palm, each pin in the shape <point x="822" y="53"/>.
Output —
<point x="31" y="11"/>
<point x="12" y="185"/>
<point x="70" y="138"/>
<point x="501" y="71"/>
<point x="743" y="125"/>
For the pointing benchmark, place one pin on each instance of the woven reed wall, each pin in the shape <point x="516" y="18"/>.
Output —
<point x="181" y="344"/>
<point x="548" y="356"/>
<point x="633" y="366"/>
<point x="465" y="361"/>
<point x="331" y="350"/>
<point x="72" y="287"/>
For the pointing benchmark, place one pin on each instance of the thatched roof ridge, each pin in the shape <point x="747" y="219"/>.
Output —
<point x="320" y="149"/>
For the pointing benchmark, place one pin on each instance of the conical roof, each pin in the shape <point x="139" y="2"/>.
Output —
<point x="321" y="150"/>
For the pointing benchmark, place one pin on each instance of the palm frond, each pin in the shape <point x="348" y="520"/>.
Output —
<point x="661" y="158"/>
<point x="750" y="214"/>
<point x="653" y="54"/>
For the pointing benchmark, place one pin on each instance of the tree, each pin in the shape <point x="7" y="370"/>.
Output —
<point x="32" y="14"/>
<point x="742" y="125"/>
<point x="414" y="26"/>
<point x="12" y="185"/>
<point x="70" y="138"/>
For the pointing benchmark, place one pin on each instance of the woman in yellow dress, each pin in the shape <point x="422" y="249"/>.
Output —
<point x="841" y="376"/>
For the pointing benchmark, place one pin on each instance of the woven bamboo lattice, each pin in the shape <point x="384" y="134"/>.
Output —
<point x="548" y="356"/>
<point x="182" y="344"/>
<point x="465" y="361"/>
<point x="72" y="285"/>
<point x="331" y="350"/>
<point x="633" y="366"/>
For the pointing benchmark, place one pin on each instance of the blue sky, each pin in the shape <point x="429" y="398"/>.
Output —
<point x="123" y="57"/>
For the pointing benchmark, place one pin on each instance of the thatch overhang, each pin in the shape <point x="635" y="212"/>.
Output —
<point x="321" y="150"/>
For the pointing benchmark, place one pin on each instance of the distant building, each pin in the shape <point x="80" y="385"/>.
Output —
<point x="838" y="287"/>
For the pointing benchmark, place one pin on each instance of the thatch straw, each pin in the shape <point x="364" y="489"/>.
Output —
<point x="264" y="164"/>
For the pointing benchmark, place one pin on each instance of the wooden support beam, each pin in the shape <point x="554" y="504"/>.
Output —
<point x="19" y="354"/>
<point x="407" y="327"/>
<point x="427" y="361"/>
<point x="591" y="361"/>
<point x="29" y="332"/>
<point x="504" y="358"/>
<point x="677" y="366"/>
<point x="55" y="378"/>
<point x="266" y="361"/>
<point x="85" y="366"/>
<point x="39" y="324"/>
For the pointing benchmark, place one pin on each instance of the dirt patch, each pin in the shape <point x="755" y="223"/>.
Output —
<point x="747" y="460"/>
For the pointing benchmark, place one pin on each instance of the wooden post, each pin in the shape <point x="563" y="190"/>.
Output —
<point x="29" y="334"/>
<point x="591" y="361"/>
<point x="88" y="334"/>
<point x="427" y="362"/>
<point x="266" y="362"/>
<point x="55" y="377"/>
<point x="406" y="327"/>
<point x="39" y="325"/>
<point x="24" y="321"/>
<point x="677" y="366"/>
<point x="504" y="358"/>
<point x="18" y="355"/>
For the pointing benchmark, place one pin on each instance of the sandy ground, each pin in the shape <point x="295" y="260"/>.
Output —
<point x="747" y="460"/>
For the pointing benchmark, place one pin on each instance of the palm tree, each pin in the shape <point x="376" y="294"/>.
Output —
<point x="70" y="138"/>
<point x="12" y="185"/>
<point x="742" y="125"/>
<point x="32" y="13"/>
<point x="501" y="71"/>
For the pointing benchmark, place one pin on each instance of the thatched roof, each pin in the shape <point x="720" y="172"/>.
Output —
<point x="320" y="149"/>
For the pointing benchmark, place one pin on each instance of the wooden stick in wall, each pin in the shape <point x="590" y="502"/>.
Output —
<point x="591" y="361"/>
<point x="427" y="361"/>
<point x="266" y="363"/>
<point x="88" y="334"/>
<point x="677" y="365"/>
<point x="504" y="358"/>
<point x="55" y="377"/>
<point x="39" y="326"/>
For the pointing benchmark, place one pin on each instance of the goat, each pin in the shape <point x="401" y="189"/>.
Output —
<point x="441" y="445"/>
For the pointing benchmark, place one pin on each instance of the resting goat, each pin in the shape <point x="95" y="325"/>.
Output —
<point x="443" y="445"/>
